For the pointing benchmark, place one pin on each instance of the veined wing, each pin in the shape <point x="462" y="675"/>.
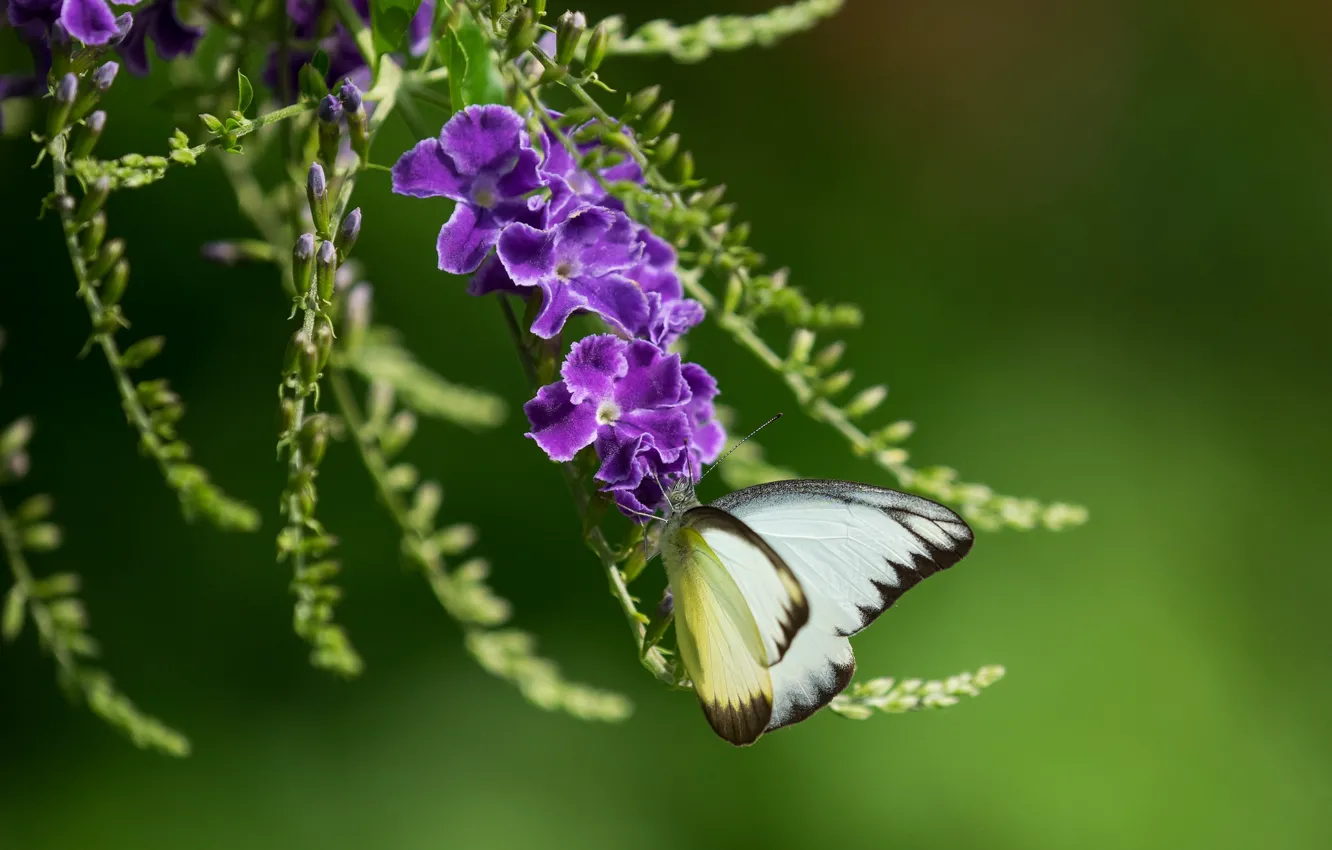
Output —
<point x="719" y="641"/>
<point x="855" y="549"/>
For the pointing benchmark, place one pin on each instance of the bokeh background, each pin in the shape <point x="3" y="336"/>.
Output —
<point x="1092" y="242"/>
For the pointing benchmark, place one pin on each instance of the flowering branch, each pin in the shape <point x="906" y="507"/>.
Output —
<point x="862" y="699"/>
<point x="695" y="42"/>
<point x="149" y="406"/>
<point x="57" y="612"/>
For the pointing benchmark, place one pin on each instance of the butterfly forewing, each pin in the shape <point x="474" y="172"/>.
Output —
<point x="854" y="549"/>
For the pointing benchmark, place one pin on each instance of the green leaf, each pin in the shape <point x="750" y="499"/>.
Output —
<point x="482" y="83"/>
<point x="212" y="122"/>
<point x="311" y="82"/>
<point x="320" y="62"/>
<point x="245" y="94"/>
<point x="389" y="20"/>
<point x="455" y="59"/>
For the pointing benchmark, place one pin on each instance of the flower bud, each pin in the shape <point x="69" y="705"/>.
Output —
<point x="666" y="149"/>
<point x="380" y="401"/>
<point x="522" y="33"/>
<point x="307" y="361"/>
<point x="110" y="254"/>
<point x="358" y="315"/>
<point x="93" y="235"/>
<point x="94" y="198"/>
<point x="302" y="262"/>
<point x="641" y="101"/>
<point x="323" y="339"/>
<point x="498" y="8"/>
<point x="596" y="47"/>
<point x="866" y="401"/>
<point x="286" y="416"/>
<point x="828" y="357"/>
<point x="64" y="204"/>
<point x="16" y="436"/>
<point x="314" y="438"/>
<point x="347" y="233"/>
<point x="401" y="429"/>
<point x="330" y="128"/>
<point x="357" y="123"/>
<point x="92" y="131"/>
<point x="104" y="76"/>
<point x="656" y="123"/>
<point x="568" y="30"/>
<point x="316" y="193"/>
<point x="65" y="93"/>
<point x="834" y="384"/>
<point x="291" y="360"/>
<point x="895" y="433"/>
<point x="802" y="343"/>
<point x="686" y="167"/>
<point x="113" y="288"/>
<point x="326" y="268"/>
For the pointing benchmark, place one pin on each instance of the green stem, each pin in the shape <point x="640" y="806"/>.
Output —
<point x="254" y="125"/>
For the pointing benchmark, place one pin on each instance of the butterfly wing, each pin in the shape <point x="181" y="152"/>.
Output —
<point x="855" y="549"/>
<point x="719" y="640"/>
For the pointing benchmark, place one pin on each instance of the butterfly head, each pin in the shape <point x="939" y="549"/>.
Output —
<point x="681" y="496"/>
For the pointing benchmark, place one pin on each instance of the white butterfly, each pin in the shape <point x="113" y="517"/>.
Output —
<point x="770" y="581"/>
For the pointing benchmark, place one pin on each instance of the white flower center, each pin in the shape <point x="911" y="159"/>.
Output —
<point x="484" y="192"/>
<point x="608" y="413"/>
<point x="566" y="269"/>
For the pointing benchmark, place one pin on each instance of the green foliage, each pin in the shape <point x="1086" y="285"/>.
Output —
<point x="697" y="41"/>
<point x="381" y="357"/>
<point x="389" y="20"/>
<point x="862" y="699"/>
<point x="472" y="71"/>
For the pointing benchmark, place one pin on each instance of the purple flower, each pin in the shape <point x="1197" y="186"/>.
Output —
<point x="572" y="187"/>
<point x="344" y="58"/>
<point x="636" y="404"/>
<point x="90" y="21"/>
<point x="484" y="161"/>
<point x="170" y="34"/>
<point x="578" y="265"/>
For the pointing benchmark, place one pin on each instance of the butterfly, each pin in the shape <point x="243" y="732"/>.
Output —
<point x="769" y="582"/>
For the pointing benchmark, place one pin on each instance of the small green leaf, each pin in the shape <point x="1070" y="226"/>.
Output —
<point x="311" y="81"/>
<point x="482" y="82"/>
<point x="245" y="94"/>
<point x="389" y="20"/>
<point x="212" y="122"/>
<point x="320" y="61"/>
<point x="15" y="607"/>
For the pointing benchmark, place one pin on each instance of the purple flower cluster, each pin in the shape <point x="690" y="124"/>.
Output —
<point x="344" y="59"/>
<point x="530" y="221"/>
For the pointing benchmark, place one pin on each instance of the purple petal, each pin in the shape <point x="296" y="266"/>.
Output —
<point x="418" y="31"/>
<point x="593" y="366"/>
<point x="483" y="138"/>
<point x="527" y="253"/>
<point x="424" y="172"/>
<point x="668" y="322"/>
<point x="523" y="177"/>
<point x="708" y="441"/>
<point x="172" y="36"/>
<point x="560" y="427"/>
<point x="90" y="21"/>
<point x="465" y="239"/>
<point x="616" y="299"/>
<point x="653" y="380"/>
<point x="656" y="271"/>
<point x="558" y="303"/>
<point x="599" y="240"/>
<point x="618" y="449"/>
<point x="702" y="386"/>
<point x="492" y="277"/>
<point x="669" y="429"/>
<point x="709" y="436"/>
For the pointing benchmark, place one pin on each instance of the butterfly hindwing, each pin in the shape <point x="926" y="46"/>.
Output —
<point x="719" y="640"/>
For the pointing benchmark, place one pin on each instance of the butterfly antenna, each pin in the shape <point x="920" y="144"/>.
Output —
<point x="738" y="445"/>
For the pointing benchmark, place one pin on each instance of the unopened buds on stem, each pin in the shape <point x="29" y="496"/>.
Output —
<point x="93" y="235"/>
<point x="92" y="131"/>
<point x="65" y="93"/>
<point x="347" y="233"/>
<point x="316" y="192"/>
<point x="113" y="287"/>
<point x="656" y="123"/>
<point x="357" y="315"/>
<point x="522" y="33"/>
<point x="110" y="254"/>
<point x="102" y="78"/>
<point x="357" y="123"/>
<point x="326" y="268"/>
<point x="330" y="128"/>
<point x="568" y="30"/>
<point x="302" y="262"/>
<point x="596" y="47"/>
<point x="94" y="198"/>
<point x="323" y="339"/>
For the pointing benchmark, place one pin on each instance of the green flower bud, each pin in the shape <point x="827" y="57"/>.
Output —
<point x="834" y="384"/>
<point x="330" y="128"/>
<point x="93" y="235"/>
<point x="307" y="361"/>
<point x="65" y="92"/>
<point x="302" y="262"/>
<point x="641" y="101"/>
<point x="357" y="316"/>
<point x="326" y="270"/>
<point x="113" y="287"/>
<point x="110" y="254"/>
<point x="286" y="416"/>
<point x="656" y="123"/>
<point x="553" y="74"/>
<point x="498" y="8"/>
<point x="522" y="34"/>
<point x="291" y="360"/>
<point x="802" y="343"/>
<point x="895" y="433"/>
<point x="92" y="131"/>
<point x="538" y="7"/>
<point x="568" y="31"/>
<point x="866" y="401"/>
<point x="665" y="149"/>
<point x="94" y="198"/>
<point x="686" y="167"/>
<point x="16" y="436"/>
<point x="596" y="47"/>
<point x="314" y="438"/>
<point x="316" y="193"/>
<point x="828" y="357"/>
<point x="323" y="339"/>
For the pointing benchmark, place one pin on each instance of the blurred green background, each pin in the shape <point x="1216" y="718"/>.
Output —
<point x="1092" y="241"/>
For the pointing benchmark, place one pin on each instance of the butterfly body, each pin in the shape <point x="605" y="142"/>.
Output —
<point x="770" y="581"/>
